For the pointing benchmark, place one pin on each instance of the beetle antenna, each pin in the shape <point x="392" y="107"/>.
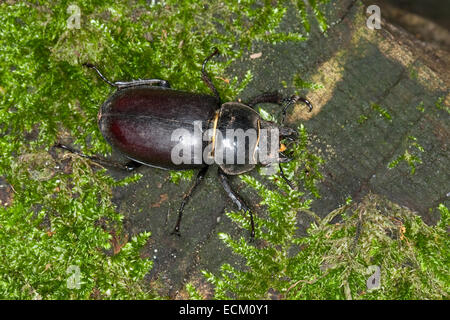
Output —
<point x="293" y="100"/>
<point x="205" y="76"/>
<point x="91" y="66"/>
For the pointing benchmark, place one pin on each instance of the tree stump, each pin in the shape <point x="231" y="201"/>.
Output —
<point x="381" y="95"/>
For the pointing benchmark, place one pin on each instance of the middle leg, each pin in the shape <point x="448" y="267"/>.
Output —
<point x="236" y="198"/>
<point x="187" y="196"/>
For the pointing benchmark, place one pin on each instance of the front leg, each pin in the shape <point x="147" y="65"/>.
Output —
<point x="276" y="98"/>
<point x="266" y="97"/>
<point x="207" y="79"/>
<point x="236" y="198"/>
<point x="292" y="101"/>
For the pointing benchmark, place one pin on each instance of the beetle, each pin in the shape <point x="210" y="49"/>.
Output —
<point x="140" y="117"/>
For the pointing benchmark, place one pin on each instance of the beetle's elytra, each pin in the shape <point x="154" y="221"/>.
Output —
<point x="139" y="119"/>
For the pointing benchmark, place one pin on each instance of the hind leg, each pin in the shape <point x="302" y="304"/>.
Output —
<point x="128" y="166"/>
<point x="126" y="84"/>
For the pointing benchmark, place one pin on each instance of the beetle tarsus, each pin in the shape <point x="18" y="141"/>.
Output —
<point x="132" y="165"/>
<point x="91" y="66"/>
<point x="290" y="184"/>
<point x="293" y="100"/>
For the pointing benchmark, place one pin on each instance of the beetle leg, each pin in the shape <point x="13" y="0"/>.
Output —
<point x="290" y="184"/>
<point x="120" y="84"/>
<point x="236" y="199"/>
<point x="293" y="100"/>
<point x="205" y="77"/>
<point x="91" y="66"/>
<point x="132" y="165"/>
<point x="187" y="196"/>
<point x="129" y="166"/>
<point x="283" y="158"/>
<point x="266" y="97"/>
<point x="153" y="82"/>
<point x="275" y="97"/>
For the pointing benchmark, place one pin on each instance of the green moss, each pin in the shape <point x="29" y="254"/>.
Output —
<point x="411" y="156"/>
<point x="382" y="111"/>
<point x="59" y="222"/>
<point x="299" y="83"/>
<point x="176" y="176"/>
<point x="362" y="119"/>
<point x="421" y="107"/>
<point x="440" y="104"/>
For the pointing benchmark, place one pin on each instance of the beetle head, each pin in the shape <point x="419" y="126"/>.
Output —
<point x="274" y="143"/>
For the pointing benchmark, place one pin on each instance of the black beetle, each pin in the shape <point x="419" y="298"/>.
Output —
<point x="139" y="120"/>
